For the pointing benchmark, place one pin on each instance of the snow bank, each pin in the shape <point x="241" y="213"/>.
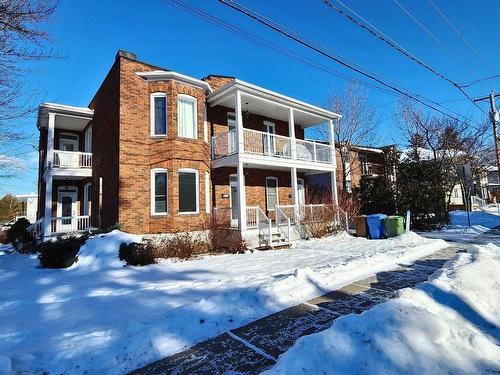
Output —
<point x="448" y="325"/>
<point x="102" y="317"/>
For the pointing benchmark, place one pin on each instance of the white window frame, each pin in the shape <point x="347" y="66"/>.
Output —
<point x="86" y="198"/>
<point x="154" y="171"/>
<point x="207" y="192"/>
<point x="88" y="139"/>
<point x="277" y="193"/>
<point x="152" y="114"/>
<point x="74" y="139"/>
<point x="197" y="182"/>
<point x="195" y="101"/>
<point x="205" y="125"/>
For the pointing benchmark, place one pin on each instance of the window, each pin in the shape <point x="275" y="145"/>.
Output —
<point x="87" y="190"/>
<point x="207" y="192"/>
<point x="159" y="179"/>
<point x="158" y="114"/>
<point x="188" y="191"/>
<point x="271" y="193"/>
<point x="231" y="120"/>
<point x="205" y="126"/>
<point x="187" y="123"/>
<point x="88" y="139"/>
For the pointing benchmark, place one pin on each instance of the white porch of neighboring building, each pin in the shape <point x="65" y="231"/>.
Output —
<point x="243" y="148"/>
<point x="66" y="161"/>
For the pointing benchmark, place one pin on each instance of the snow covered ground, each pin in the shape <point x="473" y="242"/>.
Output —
<point x="101" y="317"/>
<point x="449" y="325"/>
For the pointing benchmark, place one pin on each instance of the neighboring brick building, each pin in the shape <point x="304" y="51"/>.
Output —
<point x="156" y="151"/>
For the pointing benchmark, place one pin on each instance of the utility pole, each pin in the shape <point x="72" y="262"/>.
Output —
<point x="494" y="118"/>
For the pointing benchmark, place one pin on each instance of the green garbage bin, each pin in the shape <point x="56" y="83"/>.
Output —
<point x="394" y="226"/>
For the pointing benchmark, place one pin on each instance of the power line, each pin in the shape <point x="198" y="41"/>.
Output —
<point x="265" y="43"/>
<point x="441" y="44"/>
<point x="329" y="54"/>
<point x="480" y="80"/>
<point x="440" y="12"/>
<point x="380" y="35"/>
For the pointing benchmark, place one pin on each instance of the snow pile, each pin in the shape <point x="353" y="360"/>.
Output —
<point x="448" y="325"/>
<point x="101" y="252"/>
<point x="101" y="317"/>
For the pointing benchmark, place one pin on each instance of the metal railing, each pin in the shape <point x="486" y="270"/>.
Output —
<point x="272" y="145"/>
<point x="264" y="226"/>
<point x="478" y="201"/>
<point x="371" y="169"/>
<point x="36" y="229"/>
<point x="252" y="217"/>
<point x="72" y="159"/>
<point x="289" y="211"/>
<point x="68" y="224"/>
<point x="283" y="223"/>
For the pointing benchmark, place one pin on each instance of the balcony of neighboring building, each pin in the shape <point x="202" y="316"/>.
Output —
<point x="261" y="128"/>
<point x="65" y="140"/>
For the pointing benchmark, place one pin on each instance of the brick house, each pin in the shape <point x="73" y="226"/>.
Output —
<point x="158" y="151"/>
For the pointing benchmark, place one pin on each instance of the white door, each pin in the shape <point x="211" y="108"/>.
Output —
<point x="301" y="199"/>
<point x="269" y="140"/>
<point x="231" y="125"/>
<point x="68" y="143"/>
<point x="66" y="211"/>
<point x="233" y="199"/>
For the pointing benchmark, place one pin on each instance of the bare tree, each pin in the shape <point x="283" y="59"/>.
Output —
<point x="22" y="41"/>
<point x="357" y="126"/>
<point x="451" y="142"/>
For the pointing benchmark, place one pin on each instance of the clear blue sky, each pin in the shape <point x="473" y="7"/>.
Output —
<point x="89" y="33"/>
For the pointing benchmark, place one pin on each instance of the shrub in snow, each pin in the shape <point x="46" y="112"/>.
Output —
<point x="60" y="253"/>
<point x="223" y="239"/>
<point x="181" y="246"/>
<point x="3" y="236"/>
<point x="318" y="223"/>
<point x="19" y="237"/>
<point x="137" y="253"/>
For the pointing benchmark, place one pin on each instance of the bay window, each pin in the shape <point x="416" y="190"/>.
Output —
<point x="187" y="117"/>
<point x="188" y="191"/>
<point x="158" y="105"/>
<point x="159" y="179"/>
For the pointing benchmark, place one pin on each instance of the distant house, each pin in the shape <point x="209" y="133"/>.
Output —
<point x="28" y="205"/>
<point x="488" y="184"/>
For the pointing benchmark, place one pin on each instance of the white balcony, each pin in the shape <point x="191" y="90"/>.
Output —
<point x="271" y="146"/>
<point x="72" y="159"/>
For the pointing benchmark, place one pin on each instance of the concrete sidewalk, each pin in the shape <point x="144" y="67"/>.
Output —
<point x="255" y="347"/>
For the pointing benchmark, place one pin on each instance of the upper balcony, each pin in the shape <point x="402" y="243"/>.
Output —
<point x="268" y="130"/>
<point x="271" y="146"/>
<point x="67" y="140"/>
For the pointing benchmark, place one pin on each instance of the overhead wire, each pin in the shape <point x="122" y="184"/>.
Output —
<point x="333" y="56"/>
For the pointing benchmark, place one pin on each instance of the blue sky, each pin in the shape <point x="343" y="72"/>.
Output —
<point x="89" y="33"/>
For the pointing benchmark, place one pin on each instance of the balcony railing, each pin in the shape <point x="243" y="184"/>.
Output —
<point x="271" y="145"/>
<point x="371" y="169"/>
<point x="72" y="159"/>
<point x="68" y="224"/>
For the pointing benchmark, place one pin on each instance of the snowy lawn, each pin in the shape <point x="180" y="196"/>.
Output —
<point x="449" y="325"/>
<point x="101" y="317"/>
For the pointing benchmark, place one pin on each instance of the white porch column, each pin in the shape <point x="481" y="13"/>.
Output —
<point x="47" y="218"/>
<point x="239" y="123"/>
<point x="242" y="215"/>
<point x="295" y="192"/>
<point x="49" y="157"/>
<point x="291" y="133"/>
<point x="333" y="174"/>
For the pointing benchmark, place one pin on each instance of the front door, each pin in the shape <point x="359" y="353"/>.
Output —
<point x="69" y="143"/>
<point x="234" y="201"/>
<point x="66" y="211"/>
<point x="301" y="198"/>
<point x="231" y="125"/>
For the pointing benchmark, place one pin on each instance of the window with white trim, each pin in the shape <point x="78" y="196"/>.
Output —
<point x="88" y="139"/>
<point x="187" y="117"/>
<point x="87" y="194"/>
<point x="158" y="106"/>
<point x="188" y="191"/>
<point x="207" y="192"/>
<point x="271" y="193"/>
<point x="159" y="195"/>
<point x="205" y="126"/>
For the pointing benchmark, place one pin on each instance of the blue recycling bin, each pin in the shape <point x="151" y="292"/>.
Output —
<point x="375" y="225"/>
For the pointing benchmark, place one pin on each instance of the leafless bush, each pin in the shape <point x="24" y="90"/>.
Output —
<point x="222" y="238"/>
<point x="351" y="204"/>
